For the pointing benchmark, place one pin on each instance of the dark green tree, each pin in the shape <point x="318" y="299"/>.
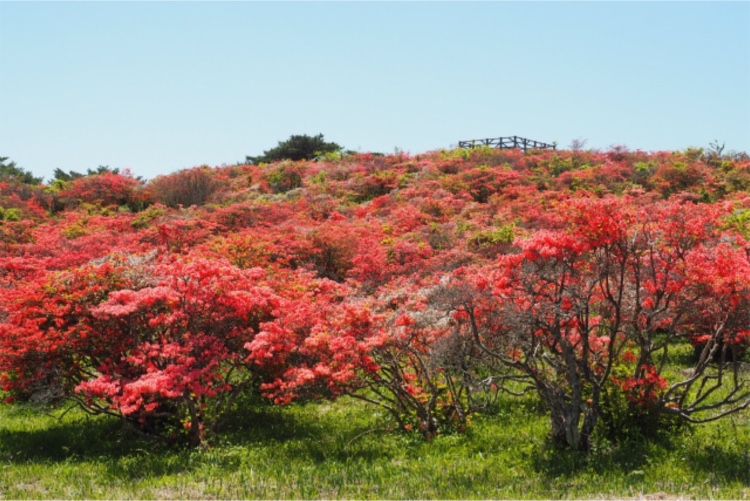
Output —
<point x="10" y="171"/>
<point x="61" y="175"/>
<point x="297" y="147"/>
<point x="102" y="169"/>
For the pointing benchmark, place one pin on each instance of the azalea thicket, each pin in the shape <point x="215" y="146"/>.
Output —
<point x="614" y="285"/>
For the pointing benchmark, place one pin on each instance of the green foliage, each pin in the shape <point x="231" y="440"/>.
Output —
<point x="11" y="214"/>
<point x="502" y="235"/>
<point x="284" y="178"/>
<point x="75" y="230"/>
<point x="319" y="178"/>
<point x="10" y="171"/>
<point x="333" y="156"/>
<point x="60" y="175"/>
<point x="490" y="243"/>
<point x="96" y="209"/>
<point x="56" y="186"/>
<point x="739" y="221"/>
<point x="297" y="147"/>
<point x="479" y="151"/>
<point x="559" y="164"/>
<point x="144" y="218"/>
<point x="455" y="154"/>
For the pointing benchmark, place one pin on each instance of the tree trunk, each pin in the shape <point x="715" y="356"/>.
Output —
<point x="567" y="430"/>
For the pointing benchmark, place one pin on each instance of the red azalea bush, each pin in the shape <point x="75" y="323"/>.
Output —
<point x="613" y="275"/>
<point x="107" y="188"/>
<point x="158" y="343"/>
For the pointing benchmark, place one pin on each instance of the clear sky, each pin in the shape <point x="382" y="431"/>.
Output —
<point x="161" y="86"/>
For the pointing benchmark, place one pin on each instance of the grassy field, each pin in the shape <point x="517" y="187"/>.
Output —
<point x="338" y="451"/>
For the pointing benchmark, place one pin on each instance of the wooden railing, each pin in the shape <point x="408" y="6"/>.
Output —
<point x="505" y="143"/>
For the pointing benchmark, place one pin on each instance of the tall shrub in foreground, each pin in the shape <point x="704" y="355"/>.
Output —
<point x="615" y="282"/>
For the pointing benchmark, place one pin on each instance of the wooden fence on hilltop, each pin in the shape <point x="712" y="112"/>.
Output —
<point x="509" y="142"/>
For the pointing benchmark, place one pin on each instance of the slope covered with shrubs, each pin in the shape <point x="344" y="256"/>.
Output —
<point x="614" y="286"/>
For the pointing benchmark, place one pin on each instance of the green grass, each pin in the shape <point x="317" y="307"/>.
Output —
<point x="340" y="450"/>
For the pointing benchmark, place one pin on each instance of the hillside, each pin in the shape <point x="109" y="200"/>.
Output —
<point x="609" y="290"/>
<point x="423" y="284"/>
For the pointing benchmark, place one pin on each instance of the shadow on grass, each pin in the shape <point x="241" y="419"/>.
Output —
<point x="294" y="431"/>
<point x="631" y="456"/>
<point x="84" y="438"/>
<point x="319" y="432"/>
<point x="553" y="462"/>
<point x="725" y="465"/>
<point x="724" y="462"/>
<point x="47" y="437"/>
<point x="253" y="422"/>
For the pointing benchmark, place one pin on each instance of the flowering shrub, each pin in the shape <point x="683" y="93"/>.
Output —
<point x="631" y="405"/>
<point x="107" y="188"/>
<point x="645" y="390"/>
<point x="158" y="345"/>
<point x="414" y="365"/>
<point x="612" y="276"/>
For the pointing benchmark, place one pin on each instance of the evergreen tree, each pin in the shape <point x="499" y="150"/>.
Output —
<point x="297" y="147"/>
<point x="10" y="171"/>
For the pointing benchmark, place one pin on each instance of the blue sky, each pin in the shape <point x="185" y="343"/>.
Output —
<point x="157" y="87"/>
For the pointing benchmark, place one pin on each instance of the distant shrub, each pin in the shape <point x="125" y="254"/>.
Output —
<point x="187" y="187"/>
<point x="492" y="242"/>
<point x="104" y="189"/>
<point x="10" y="214"/>
<point x="145" y="218"/>
<point x="284" y="178"/>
